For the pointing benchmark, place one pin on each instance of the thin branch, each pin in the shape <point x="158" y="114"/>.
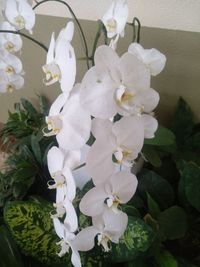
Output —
<point x="77" y="21"/>
<point x="27" y="37"/>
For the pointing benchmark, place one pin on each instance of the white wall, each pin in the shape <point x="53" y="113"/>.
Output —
<point x="166" y="14"/>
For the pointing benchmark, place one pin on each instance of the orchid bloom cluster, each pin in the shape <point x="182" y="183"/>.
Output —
<point x="18" y="15"/>
<point x="114" y="102"/>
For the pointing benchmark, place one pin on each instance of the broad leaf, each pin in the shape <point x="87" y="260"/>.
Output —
<point x="9" y="254"/>
<point x="136" y="239"/>
<point x="191" y="178"/>
<point x="183" y="123"/>
<point x="163" y="137"/>
<point x="173" y="223"/>
<point x="151" y="155"/>
<point x="159" y="188"/>
<point x="153" y="207"/>
<point x="32" y="229"/>
<point x="166" y="259"/>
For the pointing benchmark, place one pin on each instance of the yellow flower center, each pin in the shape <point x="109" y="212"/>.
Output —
<point x="111" y="25"/>
<point x="20" y="22"/>
<point x="10" y="88"/>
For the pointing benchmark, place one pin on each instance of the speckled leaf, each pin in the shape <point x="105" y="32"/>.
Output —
<point x="136" y="239"/>
<point x="32" y="229"/>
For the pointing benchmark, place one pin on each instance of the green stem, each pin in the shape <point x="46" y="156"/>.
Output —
<point x="26" y="36"/>
<point x="80" y="166"/>
<point x="77" y="21"/>
<point x="136" y="36"/>
<point x="96" y="40"/>
<point x="136" y="33"/>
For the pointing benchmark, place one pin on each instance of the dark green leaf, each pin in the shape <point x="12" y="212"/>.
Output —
<point x="173" y="223"/>
<point x="153" y="207"/>
<point x="9" y="254"/>
<point x="36" y="148"/>
<point x="159" y="188"/>
<point x="151" y="155"/>
<point x="183" y="123"/>
<point x="136" y="239"/>
<point x="191" y="177"/>
<point x="163" y="137"/>
<point x="28" y="106"/>
<point x="166" y="259"/>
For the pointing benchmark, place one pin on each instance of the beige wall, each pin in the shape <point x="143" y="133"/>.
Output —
<point x="181" y="76"/>
<point x="172" y="14"/>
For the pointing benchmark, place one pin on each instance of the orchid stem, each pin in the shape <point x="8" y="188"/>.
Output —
<point x="136" y="32"/>
<point x="26" y="36"/>
<point x="77" y="21"/>
<point x="80" y="166"/>
<point x="96" y="40"/>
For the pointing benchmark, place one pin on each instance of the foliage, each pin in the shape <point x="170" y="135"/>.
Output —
<point x="164" y="219"/>
<point x="22" y="138"/>
<point x="32" y="228"/>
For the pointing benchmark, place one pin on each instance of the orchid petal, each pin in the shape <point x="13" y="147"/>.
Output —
<point x="76" y="125"/>
<point x="134" y="73"/>
<point x="75" y="258"/>
<point x="101" y="127"/>
<point x="84" y="240"/>
<point x="153" y="59"/>
<point x="150" y="125"/>
<point x="55" y="160"/>
<point x="99" y="162"/>
<point x="58" y="227"/>
<point x="105" y="57"/>
<point x="124" y="185"/>
<point x="51" y="50"/>
<point x="61" y="193"/>
<point x="149" y="99"/>
<point x="130" y="134"/>
<point x="71" y="221"/>
<point x="71" y="186"/>
<point x="28" y="14"/>
<point x="58" y="104"/>
<point x="97" y="91"/>
<point x="92" y="204"/>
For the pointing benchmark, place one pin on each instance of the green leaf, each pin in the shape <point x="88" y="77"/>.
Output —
<point x="183" y="122"/>
<point x="32" y="228"/>
<point x="28" y="106"/>
<point x="151" y="155"/>
<point x="9" y="254"/>
<point x="166" y="259"/>
<point x="173" y="223"/>
<point x="153" y="208"/>
<point x="163" y="137"/>
<point x="136" y="239"/>
<point x="191" y="178"/>
<point x="36" y="148"/>
<point x="159" y="188"/>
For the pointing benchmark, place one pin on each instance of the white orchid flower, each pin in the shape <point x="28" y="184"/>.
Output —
<point x="108" y="228"/>
<point x="66" y="242"/>
<point x="10" y="83"/>
<point x="69" y="121"/>
<point x="115" y="18"/>
<point x="150" y="125"/>
<point x="10" y="63"/>
<point x="9" y="41"/>
<point x="20" y="14"/>
<point x="66" y="208"/>
<point x="80" y="175"/>
<point x="61" y="61"/>
<point x="118" y="189"/>
<point x="124" y="140"/>
<point x="117" y="85"/>
<point x="60" y="171"/>
<point x="152" y="58"/>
